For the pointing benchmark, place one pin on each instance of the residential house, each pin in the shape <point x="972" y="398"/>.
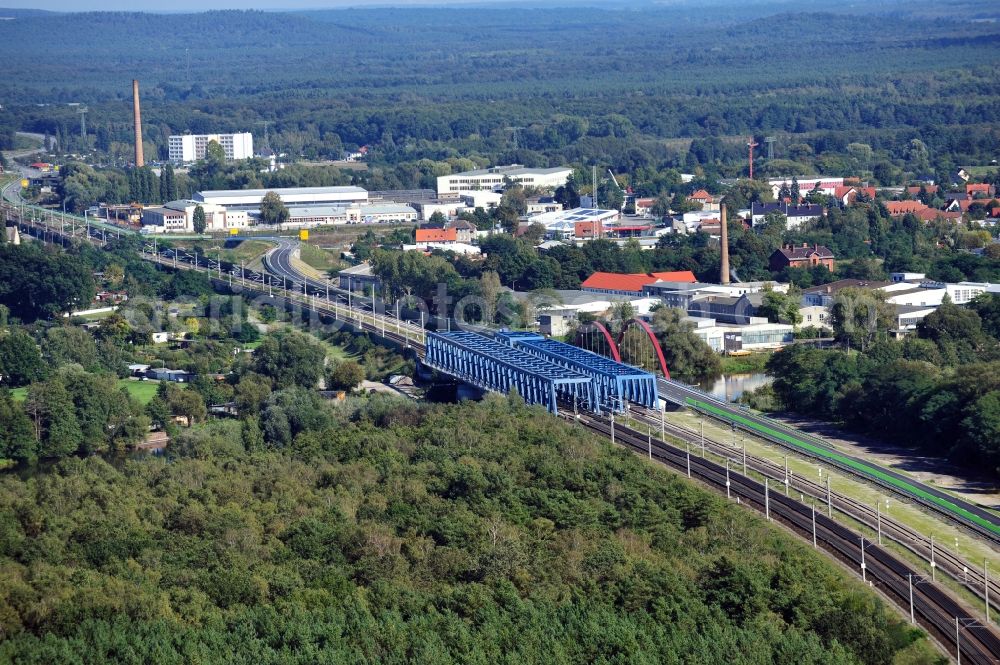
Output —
<point x="933" y="214"/>
<point x="815" y="316"/>
<point x="804" y="256"/>
<point x="438" y="235"/>
<point x="847" y="194"/>
<point x="980" y="190"/>
<point x="900" y="208"/>
<point x="464" y="231"/>
<point x="930" y="189"/>
<point x="959" y="205"/>
<point x="706" y="200"/>
<point x="795" y="215"/>
<point x="644" y="205"/>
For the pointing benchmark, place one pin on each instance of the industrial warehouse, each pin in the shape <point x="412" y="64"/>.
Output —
<point x="308" y="207"/>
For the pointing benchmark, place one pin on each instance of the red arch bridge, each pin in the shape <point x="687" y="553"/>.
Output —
<point x="636" y="339"/>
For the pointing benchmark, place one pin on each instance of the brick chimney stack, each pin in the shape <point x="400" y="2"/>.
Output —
<point x="139" y="160"/>
<point x="724" y="277"/>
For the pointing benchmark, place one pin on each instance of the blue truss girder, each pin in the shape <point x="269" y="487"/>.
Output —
<point x="614" y="382"/>
<point x="490" y="365"/>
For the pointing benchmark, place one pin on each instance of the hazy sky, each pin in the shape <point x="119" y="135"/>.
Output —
<point x="197" y="5"/>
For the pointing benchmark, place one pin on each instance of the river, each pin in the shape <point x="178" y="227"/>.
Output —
<point x="729" y="387"/>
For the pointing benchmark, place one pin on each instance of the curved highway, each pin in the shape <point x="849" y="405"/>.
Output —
<point x="981" y="520"/>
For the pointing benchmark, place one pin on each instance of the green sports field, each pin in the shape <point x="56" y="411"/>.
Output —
<point x="143" y="391"/>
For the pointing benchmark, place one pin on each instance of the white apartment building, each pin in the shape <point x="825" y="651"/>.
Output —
<point x="191" y="147"/>
<point x="497" y="178"/>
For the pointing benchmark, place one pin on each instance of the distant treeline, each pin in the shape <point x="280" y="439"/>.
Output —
<point x="534" y="86"/>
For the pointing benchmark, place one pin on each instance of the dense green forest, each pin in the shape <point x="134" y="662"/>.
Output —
<point x="387" y="532"/>
<point x="536" y="86"/>
<point x="936" y="390"/>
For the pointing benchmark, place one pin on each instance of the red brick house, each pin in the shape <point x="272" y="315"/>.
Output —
<point x="804" y="256"/>
<point x="915" y="190"/>
<point x="900" y="208"/>
<point x="703" y="197"/>
<point x="436" y="235"/>
<point x="931" y="214"/>
<point x="847" y="195"/>
<point x="979" y="190"/>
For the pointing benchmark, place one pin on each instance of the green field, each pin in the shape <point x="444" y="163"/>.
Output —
<point x="246" y="251"/>
<point x="143" y="391"/>
<point x="318" y="258"/>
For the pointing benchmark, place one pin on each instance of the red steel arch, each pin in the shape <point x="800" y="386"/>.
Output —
<point x="607" y="337"/>
<point x="652" y="339"/>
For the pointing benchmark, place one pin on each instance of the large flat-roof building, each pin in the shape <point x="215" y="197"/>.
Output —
<point x="308" y="216"/>
<point x="249" y="199"/>
<point x="497" y="178"/>
<point x="191" y="147"/>
<point x="178" y="217"/>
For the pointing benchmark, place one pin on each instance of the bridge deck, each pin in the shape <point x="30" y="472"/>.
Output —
<point x="614" y="382"/>
<point x="494" y="366"/>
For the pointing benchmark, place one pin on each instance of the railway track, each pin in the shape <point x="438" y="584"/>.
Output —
<point x="944" y="561"/>
<point x="986" y="524"/>
<point x="929" y="606"/>
<point x="941" y="615"/>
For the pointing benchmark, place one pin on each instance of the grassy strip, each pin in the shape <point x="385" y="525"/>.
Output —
<point x="860" y="467"/>
<point x="319" y="258"/>
<point x="914" y="515"/>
